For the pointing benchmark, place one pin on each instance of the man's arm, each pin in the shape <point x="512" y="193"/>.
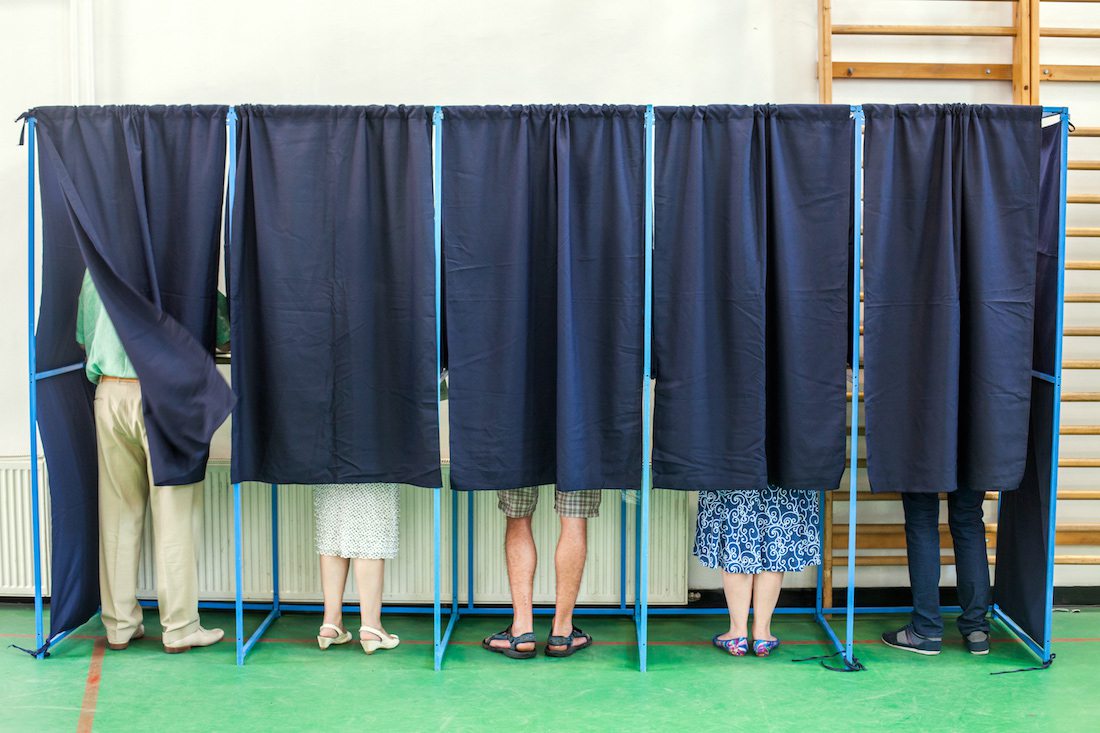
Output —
<point x="84" y="286"/>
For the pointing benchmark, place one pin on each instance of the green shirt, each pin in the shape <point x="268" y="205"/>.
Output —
<point x="96" y="333"/>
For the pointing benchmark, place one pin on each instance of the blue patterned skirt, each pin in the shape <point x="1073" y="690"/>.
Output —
<point x="759" y="530"/>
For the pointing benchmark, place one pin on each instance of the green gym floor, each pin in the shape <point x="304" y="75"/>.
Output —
<point x="288" y="684"/>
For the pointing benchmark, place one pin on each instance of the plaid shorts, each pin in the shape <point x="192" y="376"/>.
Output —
<point x="518" y="503"/>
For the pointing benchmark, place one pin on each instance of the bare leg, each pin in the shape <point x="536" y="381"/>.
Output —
<point x="569" y="560"/>
<point x="334" y="577"/>
<point x="370" y="574"/>
<point x="765" y="594"/>
<point x="522" y="558"/>
<point x="738" y="588"/>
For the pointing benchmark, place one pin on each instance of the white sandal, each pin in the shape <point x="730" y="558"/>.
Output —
<point x="343" y="636"/>
<point x="384" y="641"/>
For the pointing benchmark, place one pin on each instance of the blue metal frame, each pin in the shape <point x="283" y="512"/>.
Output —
<point x="640" y="611"/>
<point x="1042" y="649"/>
<point x="819" y="611"/>
<point x="641" y="545"/>
<point x="641" y="577"/>
<point x="32" y="371"/>
<point x="42" y="645"/>
<point x="276" y="609"/>
<point x="440" y="636"/>
<point x="853" y="464"/>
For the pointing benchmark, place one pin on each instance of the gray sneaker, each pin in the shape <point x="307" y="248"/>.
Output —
<point x="910" y="641"/>
<point x="977" y="642"/>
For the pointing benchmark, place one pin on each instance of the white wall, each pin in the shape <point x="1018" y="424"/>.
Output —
<point x="493" y="51"/>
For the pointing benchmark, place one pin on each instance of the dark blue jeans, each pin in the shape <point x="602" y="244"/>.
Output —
<point x="922" y="538"/>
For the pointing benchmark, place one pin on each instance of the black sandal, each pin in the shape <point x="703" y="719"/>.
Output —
<point x="567" y="642"/>
<point x="513" y="642"/>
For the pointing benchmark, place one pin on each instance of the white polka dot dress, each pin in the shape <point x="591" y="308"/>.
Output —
<point x="356" y="520"/>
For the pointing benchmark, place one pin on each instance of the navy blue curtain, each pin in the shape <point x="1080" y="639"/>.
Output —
<point x="751" y="295"/>
<point x="332" y="296"/>
<point x="544" y="255"/>
<point x="951" y="223"/>
<point x="66" y="421"/>
<point x="134" y="194"/>
<point x="1023" y="528"/>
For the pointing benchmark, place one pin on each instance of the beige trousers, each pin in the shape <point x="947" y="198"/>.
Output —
<point x="126" y="492"/>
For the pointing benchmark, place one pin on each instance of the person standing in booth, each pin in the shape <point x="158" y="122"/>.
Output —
<point x="127" y="492"/>
<point x="924" y="632"/>
<point x="754" y="536"/>
<point x="355" y="524"/>
<point x="574" y="508"/>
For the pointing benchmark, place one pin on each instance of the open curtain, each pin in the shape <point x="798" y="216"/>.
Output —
<point x="134" y="194"/>
<point x="951" y="223"/>
<point x="750" y="295"/>
<point x="66" y="421"/>
<point x="1023" y="527"/>
<point x="332" y="297"/>
<point x="544" y="255"/>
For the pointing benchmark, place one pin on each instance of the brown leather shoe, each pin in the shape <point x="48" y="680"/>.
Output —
<point x="140" y="633"/>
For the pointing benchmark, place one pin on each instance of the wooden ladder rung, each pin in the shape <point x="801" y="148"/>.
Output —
<point x="1079" y="430"/>
<point x="1079" y="495"/>
<point x="948" y="559"/>
<point x="1079" y="463"/>
<point x="1062" y="463"/>
<point x="1085" y="132"/>
<point x="1081" y="397"/>
<point x="923" y="30"/>
<point x="892" y="536"/>
<point x="1083" y="231"/>
<point x="1068" y="72"/>
<point x="1081" y="364"/>
<point x="1083" y="198"/>
<point x="1084" y="165"/>
<point x="1063" y="495"/>
<point x="1081" y="331"/>
<point x="1069" y="297"/>
<point x="1083" y="264"/>
<point x="1069" y="32"/>
<point x="880" y="70"/>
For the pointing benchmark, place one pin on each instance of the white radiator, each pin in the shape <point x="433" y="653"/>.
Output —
<point x="408" y="578"/>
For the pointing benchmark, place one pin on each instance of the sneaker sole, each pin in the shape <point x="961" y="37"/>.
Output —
<point x="981" y="653"/>
<point x="925" y="652"/>
<point x="176" y="649"/>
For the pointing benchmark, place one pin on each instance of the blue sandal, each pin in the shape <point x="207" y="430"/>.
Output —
<point x="764" y="647"/>
<point x="513" y="642"/>
<point x="567" y="642"/>
<point x="737" y="646"/>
